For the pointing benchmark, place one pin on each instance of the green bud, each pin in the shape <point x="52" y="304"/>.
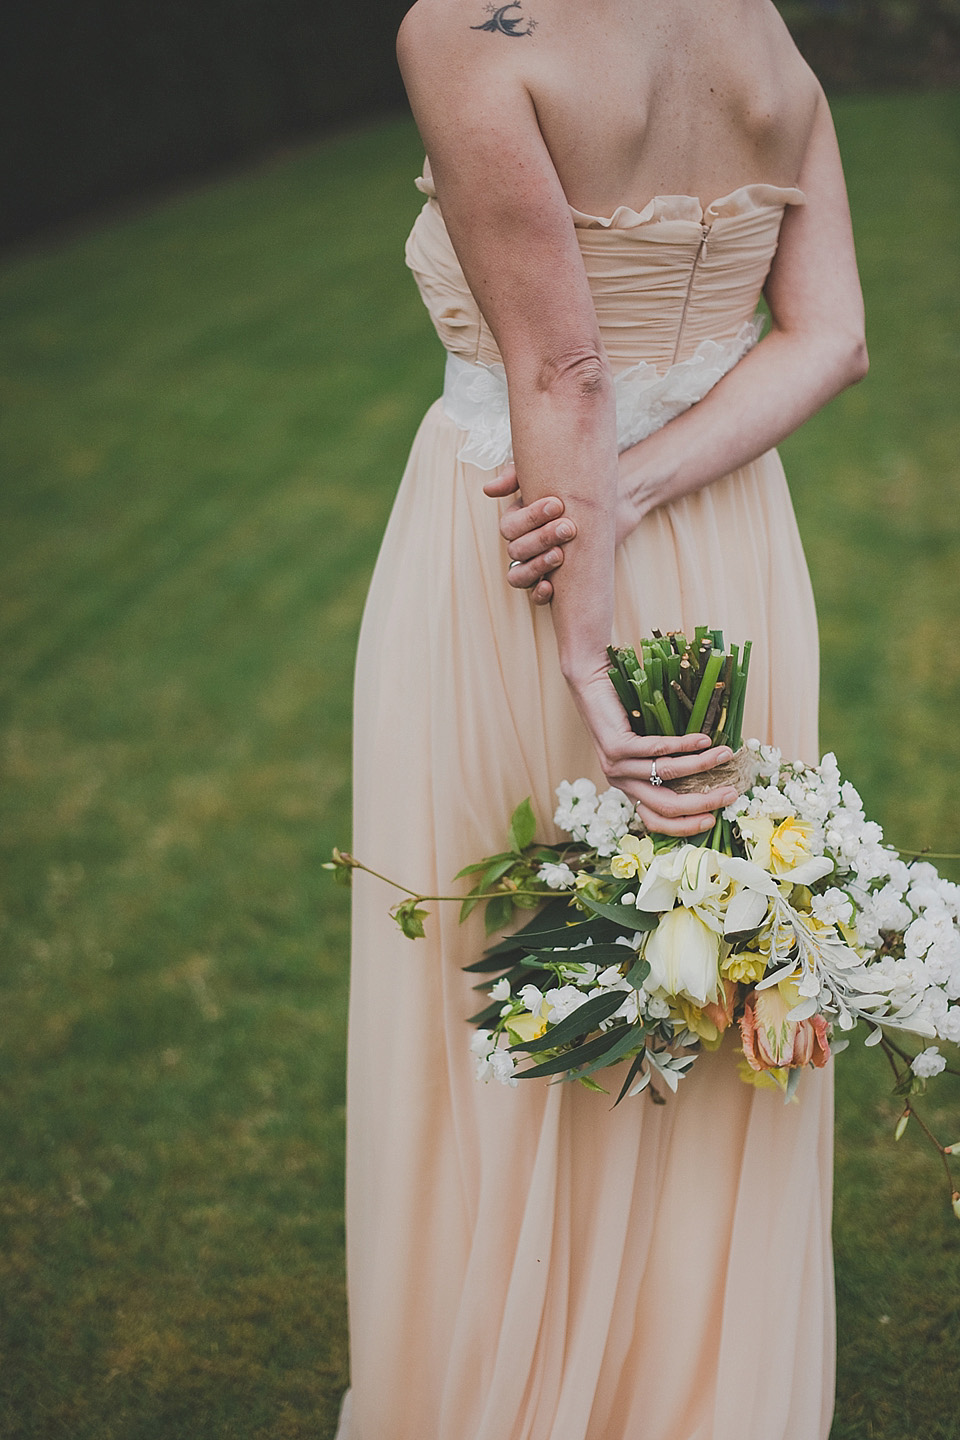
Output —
<point x="901" y="1124"/>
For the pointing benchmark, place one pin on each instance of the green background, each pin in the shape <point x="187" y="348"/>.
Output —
<point x="205" y="412"/>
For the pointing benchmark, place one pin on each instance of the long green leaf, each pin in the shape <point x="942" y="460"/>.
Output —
<point x="601" y="955"/>
<point x="632" y="1035"/>
<point x="545" y="920"/>
<point x="479" y="865"/>
<point x="584" y="1019"/>
<point x="631" y="1076"/>
<point x="626" y="917"/>
<point x="599" y="1045"/>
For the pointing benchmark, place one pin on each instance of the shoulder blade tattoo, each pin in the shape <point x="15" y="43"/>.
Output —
<point x="500" y="23"/>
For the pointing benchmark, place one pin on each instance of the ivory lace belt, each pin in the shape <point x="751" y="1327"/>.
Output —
<point x="475" y="396"/>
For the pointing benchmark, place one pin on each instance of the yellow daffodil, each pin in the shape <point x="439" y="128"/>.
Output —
<point x="747" y="966"/>
<point x="790" y="845"/>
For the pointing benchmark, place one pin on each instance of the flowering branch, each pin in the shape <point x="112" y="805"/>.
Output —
<point x="907" y="1084"/>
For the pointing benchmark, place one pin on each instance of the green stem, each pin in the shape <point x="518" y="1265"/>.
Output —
<point x="705" y="693"/>
<point x="542" y="894"/>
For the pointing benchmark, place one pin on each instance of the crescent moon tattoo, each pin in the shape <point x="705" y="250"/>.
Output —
<point x="500" y="23"/>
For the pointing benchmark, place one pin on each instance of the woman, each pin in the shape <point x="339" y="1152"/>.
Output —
<point x="526" y="1264"/>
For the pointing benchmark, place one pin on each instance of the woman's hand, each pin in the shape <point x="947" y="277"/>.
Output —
<point x="536" y="534"/>
<point x="626" y="758"/>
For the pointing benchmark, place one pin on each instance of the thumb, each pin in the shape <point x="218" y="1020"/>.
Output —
<point x="503" y="483"/>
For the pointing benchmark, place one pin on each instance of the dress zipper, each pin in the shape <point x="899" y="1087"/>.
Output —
<point x="698" y="259"/>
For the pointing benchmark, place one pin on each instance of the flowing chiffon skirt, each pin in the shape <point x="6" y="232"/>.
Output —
<point x="529" y="1264"/>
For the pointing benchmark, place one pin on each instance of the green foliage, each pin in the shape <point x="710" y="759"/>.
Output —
<point x="205" y="413"/>
<point x="523" y="826"/>
<point x="410" y="917"/>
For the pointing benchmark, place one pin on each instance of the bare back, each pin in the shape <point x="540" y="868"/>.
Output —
<point x="636" y="98"/>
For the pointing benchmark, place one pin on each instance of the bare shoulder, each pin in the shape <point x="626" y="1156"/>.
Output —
<point x="791" y="69"/>
<point x="437" y="32"/>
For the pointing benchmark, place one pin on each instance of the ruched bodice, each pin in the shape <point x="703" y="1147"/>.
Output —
<point x="663" y="279"/>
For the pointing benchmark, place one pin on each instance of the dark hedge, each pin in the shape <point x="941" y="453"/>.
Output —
<point x="99" y="98"/>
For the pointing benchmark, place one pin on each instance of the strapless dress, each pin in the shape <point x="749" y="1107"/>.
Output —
<point x="528" y="1264"/>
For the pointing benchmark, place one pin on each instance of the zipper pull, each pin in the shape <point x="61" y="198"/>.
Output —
<point x="705" y="232"/>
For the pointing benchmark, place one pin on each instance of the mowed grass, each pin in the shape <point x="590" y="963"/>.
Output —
<point x="206" y="409"/>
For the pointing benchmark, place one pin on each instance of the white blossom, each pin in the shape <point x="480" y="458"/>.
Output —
<point x="833" y="907"/>
<point x="557" y="876"/>
<point x="929" y="1062"/>
<point x="503" y="1065"/>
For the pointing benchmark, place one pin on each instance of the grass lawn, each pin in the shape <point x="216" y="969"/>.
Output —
<point x="205" y="411"/>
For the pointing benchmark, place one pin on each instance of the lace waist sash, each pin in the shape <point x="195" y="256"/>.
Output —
<point x="475" y="396"/>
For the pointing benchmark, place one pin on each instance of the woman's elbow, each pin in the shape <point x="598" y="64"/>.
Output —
<point x="844" y="357"/>
<point x="856" y="359"/>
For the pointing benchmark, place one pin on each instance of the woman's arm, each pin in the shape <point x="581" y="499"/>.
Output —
<point x="510" y="224"/>
<point x="815" y="349"/>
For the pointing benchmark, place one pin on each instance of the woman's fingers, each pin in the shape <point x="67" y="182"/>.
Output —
<point x="668" y="825"/>
<point x="503" y="483"/>
<point x="671" y="766"/>
<point x="666" y="802"/>
<point x="535" y="527"/>
<point x="543" y="540"/>
<point x="525" y="575"/>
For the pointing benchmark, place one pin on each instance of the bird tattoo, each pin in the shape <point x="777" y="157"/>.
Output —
<point x="500" y="23"/>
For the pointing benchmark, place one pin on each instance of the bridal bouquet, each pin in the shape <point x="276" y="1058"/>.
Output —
<point x="786" y="924"/>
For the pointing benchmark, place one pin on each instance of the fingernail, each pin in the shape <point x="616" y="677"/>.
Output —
<point x="730" y="796"/>
<point x="707" y="824"/>
<point x="725" y="753"/>
<point x="565" y="531"/>
<point x="552" y="508"/>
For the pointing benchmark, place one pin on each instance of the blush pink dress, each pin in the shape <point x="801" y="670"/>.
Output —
<point x="529" y="1264"/>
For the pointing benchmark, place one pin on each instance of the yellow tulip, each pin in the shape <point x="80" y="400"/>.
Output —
<point x="524" y="1027"/>
<point x="632" y="858"/>
<point x="684" y="957"/>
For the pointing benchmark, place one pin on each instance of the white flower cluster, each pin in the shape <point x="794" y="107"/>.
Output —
<point x="874" y="894"/>
<point x="592" y="819"/>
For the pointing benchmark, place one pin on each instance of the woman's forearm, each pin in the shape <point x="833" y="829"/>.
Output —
<point x="772" y="391"/>
<point x="564" y="435"/>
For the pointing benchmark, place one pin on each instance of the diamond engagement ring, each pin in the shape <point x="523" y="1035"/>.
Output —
<point x="655" y="779"/>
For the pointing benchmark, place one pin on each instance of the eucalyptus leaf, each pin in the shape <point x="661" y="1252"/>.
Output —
<point x="638" y="974"/>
